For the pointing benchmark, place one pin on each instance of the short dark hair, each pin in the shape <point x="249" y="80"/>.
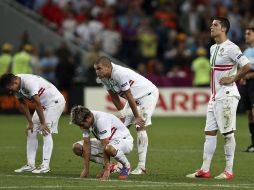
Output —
<point x="103" y="60"/>
<point x="224" y="22"/>
<point x="6" y="79"/>
<point x="79" y="114"/>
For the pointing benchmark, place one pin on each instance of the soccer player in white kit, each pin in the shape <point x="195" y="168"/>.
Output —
<point x="113" y="140"/>
<point x="221" y="110"/>
<point x="49" y="104"/>
<point x="141" y="95"/>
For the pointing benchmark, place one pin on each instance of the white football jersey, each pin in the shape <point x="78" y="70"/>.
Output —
<point x="35" y="85"/>
<point x="123" y="78"/>
<point x="224" y="60"/>
<point x="106" y="125"/>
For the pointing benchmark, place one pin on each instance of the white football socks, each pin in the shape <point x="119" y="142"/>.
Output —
<point x="209" y="149"/>
<point x="229" y="149"/>
<point x="142" y="141"/>
<point x="120" y="157"/>
<point x="47" y="149"/>
<point x="31" y="148"/>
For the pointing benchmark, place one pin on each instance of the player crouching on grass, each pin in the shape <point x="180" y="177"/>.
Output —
<point x="113" y="140"/>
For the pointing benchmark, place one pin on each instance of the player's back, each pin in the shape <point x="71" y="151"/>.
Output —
<point x="103" y="119"/>
<point x="139" y="85"/>
<point x="33" y="84"/>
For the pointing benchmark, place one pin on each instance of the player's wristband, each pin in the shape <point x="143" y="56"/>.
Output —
<point x="121" y="113"/>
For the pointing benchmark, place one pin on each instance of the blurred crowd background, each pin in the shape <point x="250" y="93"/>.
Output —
<point x="167" y="41"/>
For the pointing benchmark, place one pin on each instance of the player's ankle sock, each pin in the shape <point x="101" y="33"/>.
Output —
<point x="47" y="149"/>
<point x="229" y="149"/>
<point x="251" y="128"/>
<point x="32" y="145"/>
<point x="142" y="141"/>
<point x="209" y="149"/>
<point x="120" y="157"/>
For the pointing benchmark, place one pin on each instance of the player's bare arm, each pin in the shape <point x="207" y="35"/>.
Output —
<point x="106" y="170"/>
<point x="240" y="74"/>
<point x="38" y="107"/>
<point x="116" y="100"/>
<point x="24" y="108"/>
<point x="86" y="157"/>
<point x="138" y="119"/>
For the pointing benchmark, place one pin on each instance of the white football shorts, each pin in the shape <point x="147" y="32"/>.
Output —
<point x="124" y="144"/>
<point x="221" y="115"/>
<point x="146" y="107"/>
<point x="52" y="115"/>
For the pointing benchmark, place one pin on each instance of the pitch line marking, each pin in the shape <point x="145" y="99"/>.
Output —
<point x="147" y="183"/>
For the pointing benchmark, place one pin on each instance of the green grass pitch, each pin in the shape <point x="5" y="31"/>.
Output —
<point x="175" y="149"/>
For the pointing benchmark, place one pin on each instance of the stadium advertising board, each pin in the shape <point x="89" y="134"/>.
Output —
<point x="172" y="101"/>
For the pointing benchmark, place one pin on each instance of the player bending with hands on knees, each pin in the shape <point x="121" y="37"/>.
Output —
<point x="113" y="140"/>
<point x="141" y="95"/>
<point x="49" y="104"/>
<point x="221" y="110"/>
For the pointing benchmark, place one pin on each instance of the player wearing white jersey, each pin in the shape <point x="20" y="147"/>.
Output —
<point x="221" y="110"/>
<point x="141" y="95"/>
<point x="49" y="104"/>
<point x="113" y="140"/>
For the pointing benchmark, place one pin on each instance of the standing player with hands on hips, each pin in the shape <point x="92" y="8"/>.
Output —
<point x="49" y="104"/>
<point x="141" y="95"/>
<point x="221" y="110"/>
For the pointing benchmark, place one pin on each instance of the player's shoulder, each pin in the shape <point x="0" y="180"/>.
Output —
<point x="230" y="45"/>
<point x="119" y="71"/>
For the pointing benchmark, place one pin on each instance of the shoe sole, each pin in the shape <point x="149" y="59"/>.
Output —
<point x="143" y="172"/>
<point x="19" y="171"/>
<point x="40" y="172"/>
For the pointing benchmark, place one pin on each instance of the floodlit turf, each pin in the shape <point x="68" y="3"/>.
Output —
<point x="175" y="149"/>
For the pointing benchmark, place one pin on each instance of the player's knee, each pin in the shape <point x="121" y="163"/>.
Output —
<point x="229" y="138"/>
<point x="110" y="150"/>
<point x="211" y="133"/>
<point x="77" y="149"/>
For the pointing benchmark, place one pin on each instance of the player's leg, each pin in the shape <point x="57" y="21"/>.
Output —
<point x="227" y="125"/>
<point x="147" y="107"/>
<point x="52" y="115"/>
<point x="96" y="154"/>
<point x="118" y="148"/>
<point x="250" y="108"/>
<point x="209" y="145"/>
<point x="31" y="149"/>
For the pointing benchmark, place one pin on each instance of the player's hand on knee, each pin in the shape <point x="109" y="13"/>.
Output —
<point x="44" y="130"/>
<point x="139" y="122"/>
<point x="84" y="173"/>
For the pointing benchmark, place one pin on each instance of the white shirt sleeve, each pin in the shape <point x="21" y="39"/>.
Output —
<point x="104" y="128"/>
<point x="238" y="57"/>
<point x="123" y="81"/>
<point x="32" y="87"/>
